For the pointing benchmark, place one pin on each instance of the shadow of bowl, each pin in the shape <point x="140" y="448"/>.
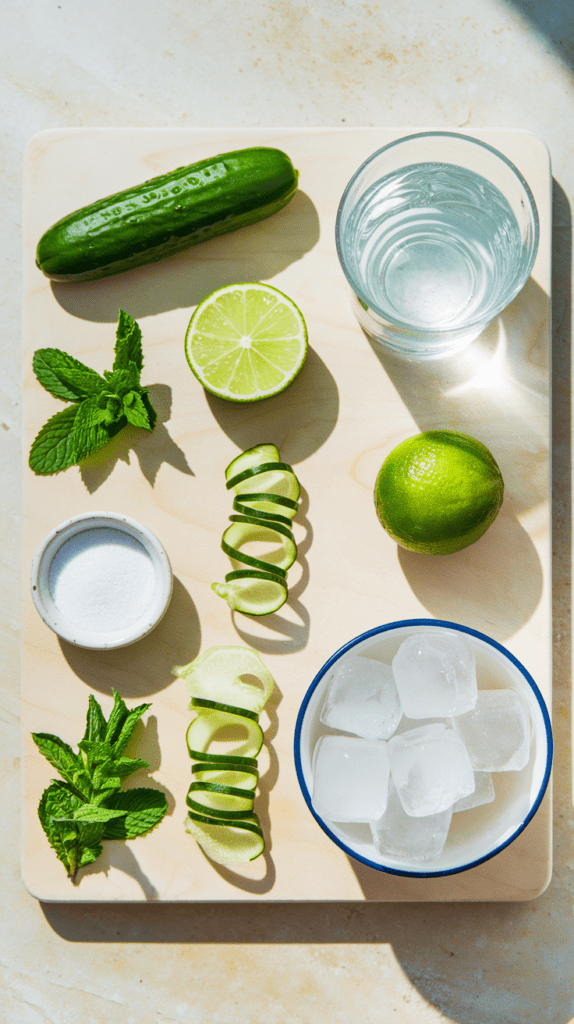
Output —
<point x="143" y="668"/>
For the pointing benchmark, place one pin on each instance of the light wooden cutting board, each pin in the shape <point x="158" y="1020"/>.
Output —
<point x="349" y="407"/>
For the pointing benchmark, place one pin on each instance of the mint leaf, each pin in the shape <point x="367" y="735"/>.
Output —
<point x="96" y="436"/>
<point x="90" y="432"/>
<point x="125" y="766"/>
<point x="95" y="721"/>
<point x="121" y="381"/>
<point x="62" y="758"/>
<point x="128" y="347"/>
<point x="69" y="437"/>
<point x="54" y="448"/>
<point x="144" y="809"/>
<point x="65" y="377"/>
<point x="117" y="718"/>
<point x="109" y="775"/>
<point x="86" y="805"/>
<point x="152" y="414"/>
<point x="58" y="801"/>
<point x="128" y="727"/>
<point x="91" y="413"/>
<point x="89" y="854"/>
<point x="98" y="412"/>
<point x="93" y="814"/>
<point x="75" y="844"/>
<point x="135" y="411"/>
<point x="97" y="752"/>
<point x="121" y="723"/>
<point x="128" y="765"/>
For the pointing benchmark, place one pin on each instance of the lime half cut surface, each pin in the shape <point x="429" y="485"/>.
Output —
<point x="246" y="342"/>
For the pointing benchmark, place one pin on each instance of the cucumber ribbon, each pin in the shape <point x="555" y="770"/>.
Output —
<point x="266" y="499"/>
<point x="229" y="687"/>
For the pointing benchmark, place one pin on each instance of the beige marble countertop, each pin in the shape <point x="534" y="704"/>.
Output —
<point x="453" y="64"/>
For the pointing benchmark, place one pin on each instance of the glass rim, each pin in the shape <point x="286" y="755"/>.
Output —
<point x="402" y="324"/>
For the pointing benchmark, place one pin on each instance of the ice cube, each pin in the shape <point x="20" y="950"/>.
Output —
<point x="435" y="675"/>
<point x="430" y="768"/>
<point x="363" y="699"/>
<point x="403" y="836"/>
<point x="350" y="778"/>
<point x="497" y="731"/>
<point x="406" y="724"/>
<point x="483" y="793"/>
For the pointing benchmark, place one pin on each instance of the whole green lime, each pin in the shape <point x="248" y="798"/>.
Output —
<point x="438" y="492"/>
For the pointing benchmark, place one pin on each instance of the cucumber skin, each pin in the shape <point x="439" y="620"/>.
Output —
<point x="167" y="214"/>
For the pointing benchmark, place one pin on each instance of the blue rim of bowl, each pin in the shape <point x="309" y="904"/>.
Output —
<point x="442" y="623"/>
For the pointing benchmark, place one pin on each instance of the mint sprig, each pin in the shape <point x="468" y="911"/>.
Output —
<point x="87" y="804"/>
<point x="103" y="405"/>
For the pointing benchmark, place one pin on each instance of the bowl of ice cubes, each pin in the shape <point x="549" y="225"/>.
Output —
<point x="423" y="747"/>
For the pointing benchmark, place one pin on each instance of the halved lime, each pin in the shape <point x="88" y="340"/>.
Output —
<point x="246" y="342"/>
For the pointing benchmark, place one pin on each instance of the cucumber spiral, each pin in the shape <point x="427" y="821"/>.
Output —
<point x="258" y="586"/>
<point x="220" y="799"/>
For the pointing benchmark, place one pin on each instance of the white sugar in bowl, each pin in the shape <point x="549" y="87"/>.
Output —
<point x="101" y="580"/>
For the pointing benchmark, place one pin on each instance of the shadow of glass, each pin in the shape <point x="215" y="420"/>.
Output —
<point x="496" y="390"/>
<point x="254" y="253"/>
<point x="151" y="448"/>
<point x="494" y="585"/>
<point x="298" y="421"/>
<point x="143" y="668"/>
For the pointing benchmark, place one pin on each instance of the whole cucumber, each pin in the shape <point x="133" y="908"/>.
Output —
<point x="167" y="214"/>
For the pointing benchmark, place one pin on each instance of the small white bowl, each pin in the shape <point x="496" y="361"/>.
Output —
<point x="80" y="634"/>
<point x="475" y="835"/>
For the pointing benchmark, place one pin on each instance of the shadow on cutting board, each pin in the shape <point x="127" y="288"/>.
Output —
<point x="254" y="253"/>
<point x="298" y="421"/>
<point x="495" y="390"/>
<point x="499" y="578"/>
<point x="143" y="668"/>
<point x="151" y="448"/>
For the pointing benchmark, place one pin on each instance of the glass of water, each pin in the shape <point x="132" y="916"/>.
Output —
<point x="436" y="234"/>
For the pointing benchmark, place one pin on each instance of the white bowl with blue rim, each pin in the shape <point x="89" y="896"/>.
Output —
<point x="477" y="834"/>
